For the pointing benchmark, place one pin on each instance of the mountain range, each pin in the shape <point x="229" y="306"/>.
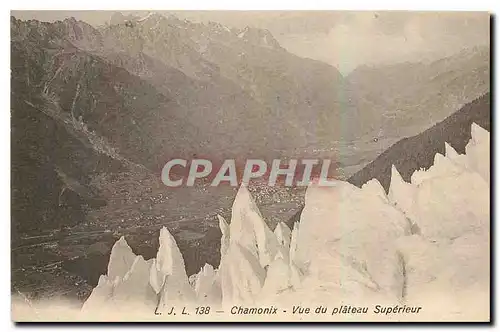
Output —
<point x="96" y="111"/>
<point x="413" y="96"/>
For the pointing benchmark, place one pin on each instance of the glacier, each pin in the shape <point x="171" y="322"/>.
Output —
<point x="425" y="243"/>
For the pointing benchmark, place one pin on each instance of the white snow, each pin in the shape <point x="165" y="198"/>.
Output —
<point x="442" y="167"/>
<point x="402" y="194"/>
<point x="250" y="231"/>
<point x="373" y="188"/>
<point x="241" y="276"/>
<point x="125" y="287"/>
<point x="120" y="260"/>
<point x="450" y="152"/>
<point x="207" y="286"/>
<point x="450" y="206"/>
<point x="224" y="242"/>
<point x="283" y="235"/>
<point x="477" y="151"/>
<point x="293" y="242"/>
<point x="345" y="237"/>
<point x="352" y="246"/>
<point x="278" y="279"/>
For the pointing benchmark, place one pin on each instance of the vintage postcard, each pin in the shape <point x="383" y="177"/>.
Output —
<point x="250" y="166"/>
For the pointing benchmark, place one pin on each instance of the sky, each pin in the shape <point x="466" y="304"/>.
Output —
<point x="343" y="39"/>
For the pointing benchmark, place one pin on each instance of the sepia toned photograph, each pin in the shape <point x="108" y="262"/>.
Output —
<point x="250" y="166"/>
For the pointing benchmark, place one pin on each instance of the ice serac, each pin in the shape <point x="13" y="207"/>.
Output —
<point x="252" y="248"/>
<point x="402" y="194"/>
<point x="453" y="205"/>
<point x="479" y="135"/>
<point x="241" y="275"/>
<point x="337" y="246"/>
<point x="283" y="235"/>
<point x="465" y="205"/>
<point x="295" y="274"/>
<point x="449" y="261"/>
<point x="207" y="286"/>
<point x="224" y="228"/>
<point x="278" y="279"/>
<point x="450" y="278"/>
<point x="126" y="285"/>
<point x="449" y="151"/>
<point x="134" y="289"/>
<point x="121" y="259"/>
<point x="478" y="151"/>
<point x="443" y="166"/>
<point x="293" y="242"/>
<point x="250" y="231"/>
<point x="168" y="274"/>
<point x="459" y="159"/>
<point x="374" y="188"/>
<point x="99" y="297"/>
